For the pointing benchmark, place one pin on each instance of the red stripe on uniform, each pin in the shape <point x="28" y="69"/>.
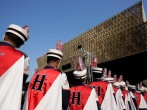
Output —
<point x="8" y="56"/>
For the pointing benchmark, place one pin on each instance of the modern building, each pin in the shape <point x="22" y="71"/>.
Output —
<point x="119" y="43"/>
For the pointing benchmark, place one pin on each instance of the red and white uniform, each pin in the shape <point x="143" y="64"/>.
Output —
<point x="137" y="96"/>
<point x="105" y="92"/>
<point x="115" y="89"/>
<point x="140" y="100"/>
<point x="145" y="96"/>
<point x="109" y="102"/>
<point x="82" y="98"/>
<point x="119" y="100"/>
<point x="124" y="93"/>
<point x="44" y="91"/>
<point x="11" y="76"/>
<point x="130" y="105"/>
<point x="101" y="88"/>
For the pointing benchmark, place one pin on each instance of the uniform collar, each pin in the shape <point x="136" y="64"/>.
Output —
<point x="6" y="44"/>
<point x="49" y="67"/>
<point x="82" y="84"/>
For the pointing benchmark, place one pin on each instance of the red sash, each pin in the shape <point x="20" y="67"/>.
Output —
<point x="124" y="92"/>
<point x="145" y="96"/>
<point x="39" y="85"/>
<point x="8" y="56"/>
<point x="11" y="77"/>
<point x="115" y="90"/>
<point x="101" y="88"/>
<point x="137" y="98"/>
<point x="78" y="97"/>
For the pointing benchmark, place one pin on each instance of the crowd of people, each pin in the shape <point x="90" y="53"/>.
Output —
<point x="49" y="88"/>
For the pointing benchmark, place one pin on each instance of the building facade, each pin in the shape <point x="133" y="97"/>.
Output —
<point x="122" y="35"/>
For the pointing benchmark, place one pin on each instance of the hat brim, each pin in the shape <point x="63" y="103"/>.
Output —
<point x="18" y="31"/>
<point x="80" y="74"/>
<point x="109" y="79"/>
<point x="55" y="53"/>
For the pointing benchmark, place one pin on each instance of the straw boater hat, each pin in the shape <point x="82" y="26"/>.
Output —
<point x="97" y="73"/>
<point x="56" y="52"/>
<point x="21" y="32"/>
<point x="97" y="70"/>
<point x="80" y="72"/>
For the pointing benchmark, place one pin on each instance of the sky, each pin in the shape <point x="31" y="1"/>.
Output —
<point x="53" y="20"/>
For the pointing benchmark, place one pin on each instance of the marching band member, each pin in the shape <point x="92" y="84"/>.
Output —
<point x="82" y="97"/>
<point x="14" y="66"/>
<point x="45" y="89"/>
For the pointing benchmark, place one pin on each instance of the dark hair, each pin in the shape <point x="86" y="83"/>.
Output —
<point x="78" y="81"/>
<point x="50" y="58"/>
<point x="97" y="75"/>
<point x="14" y="38"/>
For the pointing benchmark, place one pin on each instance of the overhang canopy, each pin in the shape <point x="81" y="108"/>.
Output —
<point x="133" y="67"/>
